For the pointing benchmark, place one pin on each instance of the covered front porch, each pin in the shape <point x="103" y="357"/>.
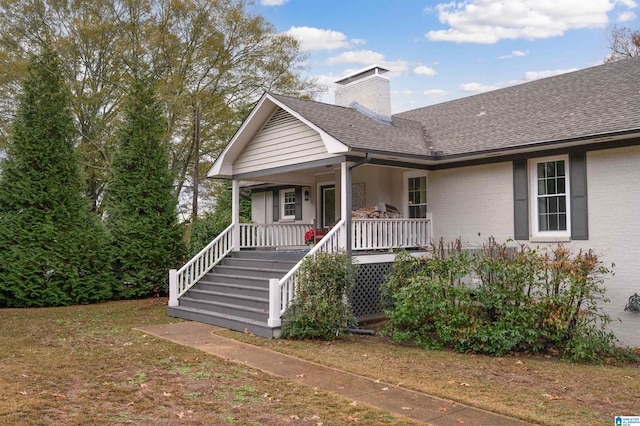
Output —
<point x="293" y="210"/>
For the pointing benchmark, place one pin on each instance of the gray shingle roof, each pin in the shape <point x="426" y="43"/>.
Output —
<point x="359" y="131"/>
<point x="594" y="101"/>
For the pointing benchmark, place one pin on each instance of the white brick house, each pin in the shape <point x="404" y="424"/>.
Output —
<point x="553" y="160"/>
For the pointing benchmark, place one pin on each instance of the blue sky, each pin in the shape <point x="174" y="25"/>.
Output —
<point x="438" y="50"/>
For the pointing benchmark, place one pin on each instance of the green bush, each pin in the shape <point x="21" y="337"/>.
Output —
<point x="321" y="309"/>
<point x="523" y="300"/>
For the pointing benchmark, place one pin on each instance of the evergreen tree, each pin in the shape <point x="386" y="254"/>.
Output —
<point x="141" y="205"/>
<point x="52" y="248"/>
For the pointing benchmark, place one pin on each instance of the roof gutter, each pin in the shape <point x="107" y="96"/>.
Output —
<point x="591" y="142"/>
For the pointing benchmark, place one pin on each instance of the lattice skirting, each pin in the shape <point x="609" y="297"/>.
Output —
<point x="365" y="299"/>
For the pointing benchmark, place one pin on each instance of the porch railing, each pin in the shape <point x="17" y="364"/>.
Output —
<point x="256" y="235"/>
<point x="381" y="234"/>
<point x="282" y="292"/>
<point x="186" y="277"/>
<point x="366" y="234"/>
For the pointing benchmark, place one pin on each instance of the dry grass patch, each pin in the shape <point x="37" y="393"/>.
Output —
<point x="536" y="389"/>
<point x="87" y="365"/>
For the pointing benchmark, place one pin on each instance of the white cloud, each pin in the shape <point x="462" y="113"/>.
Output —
<point x="273" y="2"/>
<point x="528" y="76"/>
<point x="534" y="75"/>
<point x="358" y="41"/>
<point x="396" y="68"/>
<point x="424" y="70"/>
<point x="488" y="21"/>
<point x="626" y="16"/>
<point x="514" y="53"/>
<point x="364" y="57"/>
<point x="436" y="93"/>
<point x="315" y="39"/>
<point x="629" y="3"/>
<point x="477" y="87"/>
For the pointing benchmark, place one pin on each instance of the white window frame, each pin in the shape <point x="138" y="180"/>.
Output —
<point x="405" y="190"/>
<point x="283" y="204"/>
<point x="536" y="233"/>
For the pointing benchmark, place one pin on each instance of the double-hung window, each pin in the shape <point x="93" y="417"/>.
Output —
<point x="288" y="197"/>
<point x="551" y="196"/>
<point x="415" y="190"/>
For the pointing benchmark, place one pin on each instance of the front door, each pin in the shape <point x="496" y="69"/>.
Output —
<point x="328" y="205"/>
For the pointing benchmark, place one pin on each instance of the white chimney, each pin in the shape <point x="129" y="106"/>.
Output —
<point x="368" y="91"/>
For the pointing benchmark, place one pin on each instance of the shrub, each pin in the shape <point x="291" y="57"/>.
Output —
<point x="321" y="309"/>
<point x="524" y="300"/>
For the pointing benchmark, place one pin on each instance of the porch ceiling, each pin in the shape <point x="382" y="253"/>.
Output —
<point x="304" y="177"/>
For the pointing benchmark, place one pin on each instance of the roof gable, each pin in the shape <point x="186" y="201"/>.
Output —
<point x="283" y="141"/>
<point x="260" y="117"/>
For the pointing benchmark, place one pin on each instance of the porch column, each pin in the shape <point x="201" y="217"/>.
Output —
<point x="345" y="204"/>
<point x="235" y="214"/>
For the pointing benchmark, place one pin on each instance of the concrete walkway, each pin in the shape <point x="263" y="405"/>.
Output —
<point x="408" y="403"/>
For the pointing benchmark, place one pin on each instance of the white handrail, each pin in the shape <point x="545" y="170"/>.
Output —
<point x="186" y="277"/>
<point x="282" y="292"/>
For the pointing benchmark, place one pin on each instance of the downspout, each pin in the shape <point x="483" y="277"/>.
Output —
<point x="365" y="160"/>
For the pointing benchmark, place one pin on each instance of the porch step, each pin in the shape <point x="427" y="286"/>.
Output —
<point x="238" y="307"/>
<point x="235" y="285"/>
<point x="235" y="294"/>
<point x="244" y="271"/>
<point x="231" y="322"/>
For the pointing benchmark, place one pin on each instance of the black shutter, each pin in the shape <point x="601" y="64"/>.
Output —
<point x="276" y="206"/>
<point x="520" y="200"/>
<point x="298" y="203"/>
<point x="578" y="187"/>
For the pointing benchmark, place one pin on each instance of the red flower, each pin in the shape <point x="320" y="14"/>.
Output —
<point x="310" y="236"/>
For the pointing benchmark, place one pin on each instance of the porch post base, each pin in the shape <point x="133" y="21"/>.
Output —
<point x="274" y="323"/>
<point x="173" y="288"/>
<point x="274" y="303"/>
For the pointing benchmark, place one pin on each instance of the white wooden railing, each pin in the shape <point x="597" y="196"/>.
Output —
<point x="366" y="234"/>
<point x="186" y="277"/>
<point x="282" y="292"/>
<point x="381" y="234"/>
<point x="256" y="235"/>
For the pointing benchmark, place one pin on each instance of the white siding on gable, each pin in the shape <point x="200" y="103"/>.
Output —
<point x="282" y="142"/>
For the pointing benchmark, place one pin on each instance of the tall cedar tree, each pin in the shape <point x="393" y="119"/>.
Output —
<point x="141" y="205"/>
<point x="53" y="249"/>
